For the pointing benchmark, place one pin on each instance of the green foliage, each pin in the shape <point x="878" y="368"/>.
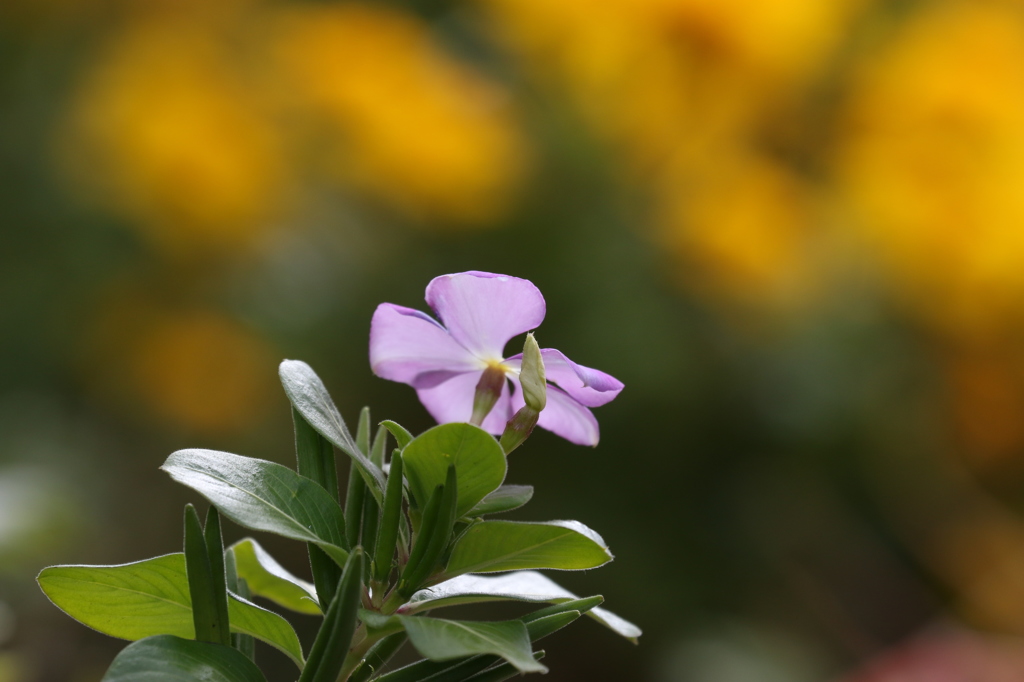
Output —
<point x="479" y="463"/>
<point x="439" y="484"/>
<point x="263" y="496"/>
<point x="166" y="658"/>
<point x="151" y="597"/>
<point x="310" y="399"/>
<point x="505" y="498"/>
<point x="494" y="546"/>
<point x="268" y="579"/>
<point x="445" y="640"/>
<point x="207" y="581"/>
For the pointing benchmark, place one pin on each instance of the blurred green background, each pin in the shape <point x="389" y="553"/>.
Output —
<point x="792" y="228"/>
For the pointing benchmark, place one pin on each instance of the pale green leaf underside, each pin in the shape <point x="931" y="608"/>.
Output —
<point x="309" y="396"/>
<point x="444" y="640"/>
<point x="151" y="597"/>
<point x="264" y="496"/>
<point x="268" y="579"/>
<point x="478" y="458"/>
<point x="506" y="498"/>
<point x="527" y="586"/>
<point x="494" y="546"/>
<point x="165" y="658"/>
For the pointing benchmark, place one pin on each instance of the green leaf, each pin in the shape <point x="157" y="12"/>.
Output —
<point x="354" y="505"/>
<point x="329" y="650"/>
<point x="401" y="434"/>
<point x="218" y="573"/>
<point x="263" y="495"/>
<point x="244" y="643"/>
<point x="307" y="394"/>
<point x="506" y="498"/>
<point x="387" y="538"/>
<point x="378" y="655"/>
<point x="500" y="673"/>
<point x="492" y="546"/>
<point x="479" y="463"/>
<point x="315" y="460"/>
<point x="209" y="615"/>
<point x="526" y="586"/>
<point x="539" y="624"/>
<point x="151" y="597"/>
<point x="380" y="446"/>
<point x="444" y="640"/>
<point x="268" y="579"/>
<point x="166" y="658"/>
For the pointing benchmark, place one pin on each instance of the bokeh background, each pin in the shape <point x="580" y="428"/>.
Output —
<point x="794" y="229"/>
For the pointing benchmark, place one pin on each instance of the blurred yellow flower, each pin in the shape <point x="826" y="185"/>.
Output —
<point x="402" y="120"/>
<point x="932" y="159"/>
<point x="743" y="232"/>
<point x="192" y="368"/>
<point x="665" y="79"/>
<point x="164" y="131"/>
<point x="986" y="401"/>
<point x="203" y="371"/>
<point x="980" y="553"/>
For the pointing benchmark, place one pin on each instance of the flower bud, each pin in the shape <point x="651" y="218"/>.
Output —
<point x="519" y="428"/>
<point x="531" y="376"/>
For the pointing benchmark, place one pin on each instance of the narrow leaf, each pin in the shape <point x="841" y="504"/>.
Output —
<point x="151" y="597"/>
<point x="268" y="579"/>
<point x="527" y="586"/>
<point x="218" y="575"/>
<point x="380" y="446"/>
<point x="500" y="673"/>
<point x="354" y="505"/>
<point x="308" y="395"/>
<point x="387" y="537"/>
<point x="492" y="546"/>
<point x="244" y="643"/>
<point x="401" y="434"/>
<point x="201" y="592"/>
<point x="506" y="498"/>
<point x="332" y="643"/>
<point x="363" y="431"/>
<point x="479" y="462"/>
<point x="378" y="655"/>
<point x="263" y="495"/>
<point x="165" y="658"/>
<point x="314" y="455"/>
<point x="429" y="522"/>
<point x="444" y="640"/>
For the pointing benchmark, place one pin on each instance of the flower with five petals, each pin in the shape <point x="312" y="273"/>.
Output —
<point x="479" y="312"/>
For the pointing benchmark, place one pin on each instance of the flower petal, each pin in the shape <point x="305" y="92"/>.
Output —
<point x="482" y="311"/>
<point x="411" y="347"/>
<point x="590" y="387"/>
<point x="452" y="401"/>
<point x="563" y="416"/>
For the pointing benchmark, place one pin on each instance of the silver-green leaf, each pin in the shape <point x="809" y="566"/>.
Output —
<point x="263" y="495"/>
<point x="526" y="586"/>
<point x="310" y="398"/>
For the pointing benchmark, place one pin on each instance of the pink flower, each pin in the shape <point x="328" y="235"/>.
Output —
<point x="443" y="361"/>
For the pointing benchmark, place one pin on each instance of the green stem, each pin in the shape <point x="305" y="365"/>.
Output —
<point x="392" y="603"/>
<point x="357" y="652"/>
